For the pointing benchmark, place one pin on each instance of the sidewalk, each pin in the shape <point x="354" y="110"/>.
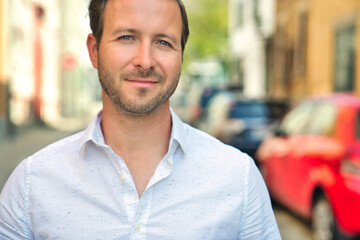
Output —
<point x="26" y="141"/>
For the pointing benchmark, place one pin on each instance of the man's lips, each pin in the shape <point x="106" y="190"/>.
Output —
<point x="142" y="82"/>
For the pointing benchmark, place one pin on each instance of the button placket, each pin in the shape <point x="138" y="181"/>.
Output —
<point x="131" y="198"/>
<point x="137" y="227"/>
<point x="122" y="179"/>
<point x="142" y="215"/>
<point x="128" y="190"/>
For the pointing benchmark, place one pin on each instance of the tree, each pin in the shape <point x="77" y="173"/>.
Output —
<point x="208" y="20"/>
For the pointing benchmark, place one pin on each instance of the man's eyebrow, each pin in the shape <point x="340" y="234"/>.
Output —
<point x="124" y="30"/>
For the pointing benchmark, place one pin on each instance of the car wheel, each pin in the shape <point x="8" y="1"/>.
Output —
<point x="323" y="223"/>
<point x="322" y="220"/>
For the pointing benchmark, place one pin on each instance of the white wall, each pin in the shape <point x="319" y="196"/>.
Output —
<point x="247" y="42"/>
<point x="21" y="58"/>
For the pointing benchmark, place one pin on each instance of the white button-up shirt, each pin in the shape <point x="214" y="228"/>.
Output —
<point x="78" y="188"/>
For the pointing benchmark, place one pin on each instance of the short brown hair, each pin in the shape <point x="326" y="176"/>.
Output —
<point x="96" y="14"/>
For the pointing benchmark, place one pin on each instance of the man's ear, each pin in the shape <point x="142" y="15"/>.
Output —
<point x="92" y="49"/>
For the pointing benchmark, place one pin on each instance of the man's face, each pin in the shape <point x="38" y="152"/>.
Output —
<point x="139" y="57"/>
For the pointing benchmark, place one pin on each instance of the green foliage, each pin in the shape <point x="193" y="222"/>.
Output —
<point x="208" y="20"/>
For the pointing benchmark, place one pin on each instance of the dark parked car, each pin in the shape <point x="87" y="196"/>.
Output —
<point x="255" y="116"/>
<point x="241" y="122"/>
<point x="311" y="164"/>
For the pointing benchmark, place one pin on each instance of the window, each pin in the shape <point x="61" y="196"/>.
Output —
<point x="240" y="14"/>
<point x="345" y="58"/>
<point x="236" y="73"/>
<point x="358" y="126"/>
<point x="257" y="17"/>
<point x="249" y="110"/>
<point x="300" y="48"/>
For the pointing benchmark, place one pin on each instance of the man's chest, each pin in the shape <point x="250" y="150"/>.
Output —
<point x="168" y="210"/>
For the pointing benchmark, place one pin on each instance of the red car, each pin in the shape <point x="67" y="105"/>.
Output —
<point x="311" y="164"/>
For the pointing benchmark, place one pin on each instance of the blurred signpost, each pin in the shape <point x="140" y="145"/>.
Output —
<point x="69" y="62"/>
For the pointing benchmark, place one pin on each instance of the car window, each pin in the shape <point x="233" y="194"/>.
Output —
<point x="323" y="120"/>
<point x="249" y="110"/>
<point x="276" y="109"/>
<point x="296" y="120"/>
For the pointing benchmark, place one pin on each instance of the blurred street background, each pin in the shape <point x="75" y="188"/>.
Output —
<point x="247" y="62"/>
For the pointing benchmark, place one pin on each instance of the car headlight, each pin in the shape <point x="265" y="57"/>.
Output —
<point x="350" y="167"/>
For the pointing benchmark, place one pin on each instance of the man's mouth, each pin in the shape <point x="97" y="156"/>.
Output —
<point x="142" y="82"/>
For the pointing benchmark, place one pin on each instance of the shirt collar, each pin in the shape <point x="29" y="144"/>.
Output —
<point x="93" y="133"/>
<point x="178" y="132"/>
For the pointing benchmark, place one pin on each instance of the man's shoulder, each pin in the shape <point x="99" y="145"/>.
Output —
<point x="204" y="140"/>
<point x="207" y="157"/>
<point x="66" y="146"/>
<point x="203" y="144"/>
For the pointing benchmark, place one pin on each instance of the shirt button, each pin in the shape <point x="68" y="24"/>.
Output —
<point x="137" y="227"/>
<point x="123" y="178"/>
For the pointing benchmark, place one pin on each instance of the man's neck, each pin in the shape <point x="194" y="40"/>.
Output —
<point x="130" y="134"/>
<point x="140" y="141"/>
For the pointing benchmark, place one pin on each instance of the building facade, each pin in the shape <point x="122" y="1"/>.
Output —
<point x="3" y="107"/>
<point x="32" y="60"/>
<point x="4" y="90"/>
<point x="45" y="73"/>
<point x="313" y="49"/>
<point x="80" y="90"/>
<point x="251" y="23"/>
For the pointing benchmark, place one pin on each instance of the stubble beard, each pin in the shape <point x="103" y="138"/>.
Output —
<point x="142" y="106"/>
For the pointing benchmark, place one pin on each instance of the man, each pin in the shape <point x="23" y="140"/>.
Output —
<point x="137" y="172"/>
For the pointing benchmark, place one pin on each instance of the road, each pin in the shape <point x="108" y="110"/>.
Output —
<point x="29" y="140"/>
<point x="291" y="227"/>
<point x="25" y="142"/>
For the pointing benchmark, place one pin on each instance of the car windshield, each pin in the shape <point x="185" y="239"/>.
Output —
<point x="248" y="110"/>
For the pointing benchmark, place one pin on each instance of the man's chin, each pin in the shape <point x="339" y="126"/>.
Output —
<point x="137" y="110"/>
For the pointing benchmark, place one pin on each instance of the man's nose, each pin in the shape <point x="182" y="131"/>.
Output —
<point x="144" y="57"/>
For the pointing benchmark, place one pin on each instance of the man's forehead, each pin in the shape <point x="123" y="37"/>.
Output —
<point x="131" y="6"/>
<point x="143" y="1"/>
<point x="151" y="13"/>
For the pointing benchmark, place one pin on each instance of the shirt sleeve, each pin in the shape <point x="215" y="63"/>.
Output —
<point x="259" y="220"/>
<point x="14" y="213"/>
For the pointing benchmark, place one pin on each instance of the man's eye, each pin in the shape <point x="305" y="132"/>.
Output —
<point x="165" y="43"/>
<point x="126" y="37"/>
